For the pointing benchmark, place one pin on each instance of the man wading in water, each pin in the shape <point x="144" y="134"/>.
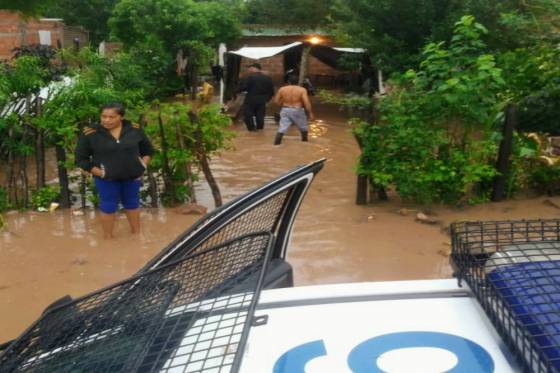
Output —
<point x="294" y="101"/>
<point x="259" y="90"/>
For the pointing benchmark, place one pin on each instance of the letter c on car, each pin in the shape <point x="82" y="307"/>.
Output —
<point x="294" y="360"/>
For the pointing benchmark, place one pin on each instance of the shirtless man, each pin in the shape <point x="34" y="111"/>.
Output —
<point x="294" y="101"/>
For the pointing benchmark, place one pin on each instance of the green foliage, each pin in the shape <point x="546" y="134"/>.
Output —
<point x="90" y="14"/>
<point x="93" y="196"/>
<point x="4" y="201"/>
<point x="436" y="139"/>
<point x="533" y="75"/>
<point x="394" y="31"/>
<point x="43" y="197"/>
<point x="95" y="81"/>
<point x="25" y="76"/>
<point x="22" y="79"/>
<point x="27" y="7"/>
<point x="545" y="178"/>
<point x="213" y="127"/>
<point x="45" y="55"/>
<point x="154" y="31"/>
<point x="302" y="13"/>
<point x="182" y="143"/>
<point x="360" y="106"/>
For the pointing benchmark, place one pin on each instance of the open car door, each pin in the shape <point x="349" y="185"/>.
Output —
<point x="269" y="208"/>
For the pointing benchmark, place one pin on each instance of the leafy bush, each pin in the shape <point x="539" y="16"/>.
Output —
<point x="533" y="75"/>
<point x="181" y="144"/>
<point x="436" y="140"/>
<point x="4" y="202"/>
<point x="359" y="106"/>
<point x="42" y="198"/>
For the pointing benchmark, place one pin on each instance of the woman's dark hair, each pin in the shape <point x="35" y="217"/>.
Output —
<point x="117" y="106"/>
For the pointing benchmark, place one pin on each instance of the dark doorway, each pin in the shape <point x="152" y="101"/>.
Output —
<point x="292" y="58"/>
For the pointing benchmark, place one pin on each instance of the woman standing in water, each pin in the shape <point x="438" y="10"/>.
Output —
<point x="116" y="152"/>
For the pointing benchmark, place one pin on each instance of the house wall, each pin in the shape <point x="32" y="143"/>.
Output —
<point x="16" y="31"/>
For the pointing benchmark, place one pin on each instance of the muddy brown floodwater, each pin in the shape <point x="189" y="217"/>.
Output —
<point x="44" y="256"/>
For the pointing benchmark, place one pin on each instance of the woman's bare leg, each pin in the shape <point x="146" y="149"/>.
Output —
<point x="107" y="223"/>
<point x="133" y="217"/>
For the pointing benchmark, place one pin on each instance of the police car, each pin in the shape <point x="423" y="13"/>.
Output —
<point x="220" y="299"/>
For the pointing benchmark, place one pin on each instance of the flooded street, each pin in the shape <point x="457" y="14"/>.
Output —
<point x="44" y="256"/>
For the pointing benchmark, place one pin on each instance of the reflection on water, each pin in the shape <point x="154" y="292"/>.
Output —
<point x="44" y="256"/>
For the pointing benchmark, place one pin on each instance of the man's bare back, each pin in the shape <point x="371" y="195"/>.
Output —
<point x="294" y="96"/>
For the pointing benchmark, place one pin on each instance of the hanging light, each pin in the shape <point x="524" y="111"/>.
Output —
<point x="314" y="40"/>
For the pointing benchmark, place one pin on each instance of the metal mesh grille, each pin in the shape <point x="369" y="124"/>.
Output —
<point x="191" y="315"/>
<point x="513" y="267"/>
<point x="261" y="217"/>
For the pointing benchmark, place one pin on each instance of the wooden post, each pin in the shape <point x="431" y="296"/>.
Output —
<point x="361" y="182"/>
<point x="504" y="153"/>
<point x="167" y="174"/>
<point x="62" y="177"/>
<point x="39" y="149"/>
<point x="303" y="63"/>
<point x="204" y="162"/>
<point x="362" y="190"/>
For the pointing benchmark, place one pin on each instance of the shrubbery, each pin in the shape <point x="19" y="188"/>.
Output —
<point x="437" y="138"/>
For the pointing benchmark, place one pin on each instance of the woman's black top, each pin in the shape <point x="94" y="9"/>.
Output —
<point x="120" y="158"/>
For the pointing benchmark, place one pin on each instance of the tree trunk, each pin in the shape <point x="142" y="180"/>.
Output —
<point x="303" y="63"/>
<point x="190" y="183"/>
<point x="40" y="159"/>
<point x="62" y="177"/>
<point x="204" y="163"/>
<point x="24" y="181"/>
<point x="23" y="159"/>
<point x="194" y="80"/>
<point x="503" y="163"/>
<point x="167" y="176"/>
<point x="11" y="189"/>
<point x="188" y="170"/>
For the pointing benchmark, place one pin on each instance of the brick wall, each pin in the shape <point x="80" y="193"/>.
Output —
<point x="15" y="32"/>
<point x="273" y="66"/>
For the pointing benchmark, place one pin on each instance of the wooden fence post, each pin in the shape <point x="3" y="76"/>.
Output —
<point x="362" y="190"/>
<point x="504" y="153"/>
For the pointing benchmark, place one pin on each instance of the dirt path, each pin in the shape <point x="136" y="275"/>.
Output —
<point x="44" y="256"/>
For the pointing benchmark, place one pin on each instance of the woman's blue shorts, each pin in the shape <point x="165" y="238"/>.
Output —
<point x="112" y="192"/>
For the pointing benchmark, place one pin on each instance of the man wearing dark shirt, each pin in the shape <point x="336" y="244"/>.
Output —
<point x="259" y="90"/>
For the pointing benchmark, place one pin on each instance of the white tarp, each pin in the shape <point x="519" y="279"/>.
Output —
<point x="256" y="53"/>
<point x="350" y="50"/>
<point x="45" y="94"/>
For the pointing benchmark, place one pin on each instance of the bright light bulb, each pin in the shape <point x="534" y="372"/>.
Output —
<point x="314" y="40"/>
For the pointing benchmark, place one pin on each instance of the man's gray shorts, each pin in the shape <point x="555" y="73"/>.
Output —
<point x="289" y="115"/>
